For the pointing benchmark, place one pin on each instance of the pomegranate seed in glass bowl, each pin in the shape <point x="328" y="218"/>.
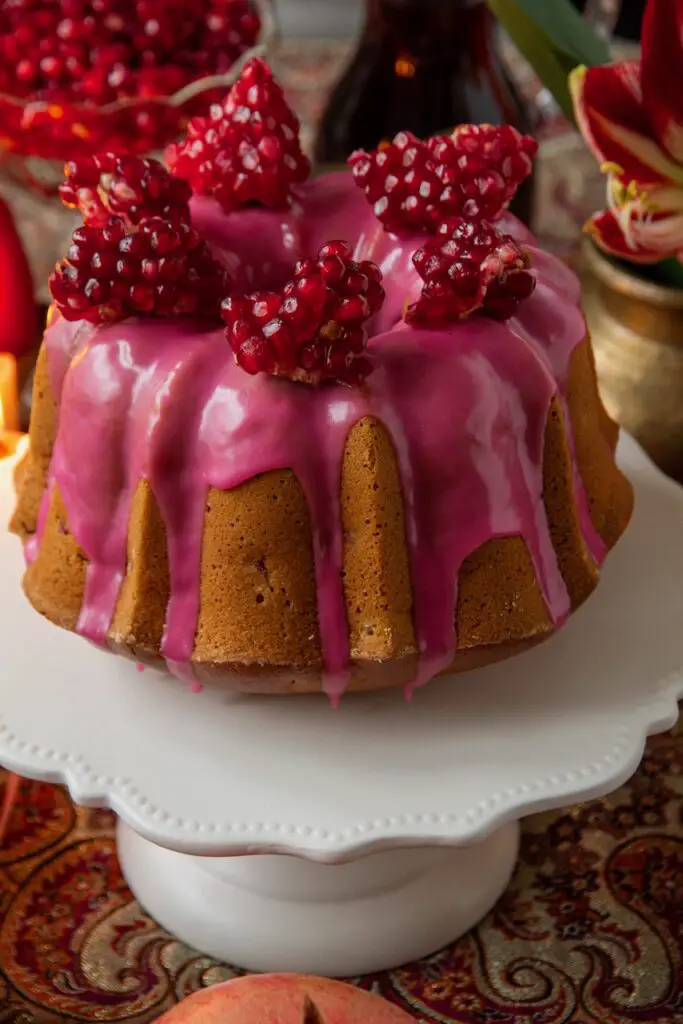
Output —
<point x="82" y="76"/>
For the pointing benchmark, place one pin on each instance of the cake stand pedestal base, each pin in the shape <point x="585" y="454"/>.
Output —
<point x="282" y="913"/>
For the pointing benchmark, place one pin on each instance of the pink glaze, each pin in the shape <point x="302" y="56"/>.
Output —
<point x="466" y="409"/>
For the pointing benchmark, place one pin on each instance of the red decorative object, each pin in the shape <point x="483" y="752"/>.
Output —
<point x="474" y="172"/>
<point x="247" y="150"/>
<point x="631" y="116"/>
<point x="74" y="73"/>
<point x="136" y="254"/>
<point x="312" y="331"/>
<point x="18" y="313"/>
<point x="469" y="267"/>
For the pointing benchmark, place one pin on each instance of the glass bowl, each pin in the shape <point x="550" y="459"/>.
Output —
<point x="37" y="137"/>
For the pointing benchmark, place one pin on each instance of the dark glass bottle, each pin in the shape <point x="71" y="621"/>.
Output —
<point x="421" y="66"/>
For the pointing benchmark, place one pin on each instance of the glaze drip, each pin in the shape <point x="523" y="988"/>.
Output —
<point x="164" y="402"/>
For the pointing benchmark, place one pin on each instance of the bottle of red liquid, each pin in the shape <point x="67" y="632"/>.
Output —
<point x="421" y="66"/>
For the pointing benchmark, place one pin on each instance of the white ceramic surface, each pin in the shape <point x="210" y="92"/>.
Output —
<point x="205" y="775"/>
<point x="279" y="913"/>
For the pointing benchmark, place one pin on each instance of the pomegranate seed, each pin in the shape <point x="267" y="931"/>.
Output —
<point x="470" y="266"/>
<point x="136" y="253"/>
<point x="401" y="183"/>
<point x="481" y="167"/>
<point x="312" y="331"/>
<point x="474" y="172"/>
<point x="247" y="150"/>
<point x="198" y="37"/>
<point x="127" y="187"/>
<point x="96" y="52"/>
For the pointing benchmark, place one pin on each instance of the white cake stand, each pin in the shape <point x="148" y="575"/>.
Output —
<point x="400" y="820"/>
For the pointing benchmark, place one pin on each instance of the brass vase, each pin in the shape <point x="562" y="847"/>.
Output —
<point x="637" y="332"/>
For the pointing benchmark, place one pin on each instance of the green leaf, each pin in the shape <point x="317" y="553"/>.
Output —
<point x="667" y="272"/>
<point x="562" y="24"/>
<point x="552" y="65"/>
<point x="554" y="39"/>
<point x="670" y="272"/>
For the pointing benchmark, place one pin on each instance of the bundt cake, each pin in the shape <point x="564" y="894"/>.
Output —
<point x="391" y="459"/>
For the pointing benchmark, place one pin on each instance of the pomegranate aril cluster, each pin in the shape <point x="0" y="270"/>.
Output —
<point x="136" y="254"/>
<point x="98" y="51"/>
<point x="469" y="267"/>
<point x="128" y="187"/>
<point x="71" y="61"/>
<point x="313" y="330"/>
<point x="480" y="167"/>
<point x="400" y="181"/>
<point x="474" y="172"/>
<point x="247" y="151"/>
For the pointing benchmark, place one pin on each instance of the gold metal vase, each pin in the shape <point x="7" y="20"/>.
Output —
<point x="637" y="332"/>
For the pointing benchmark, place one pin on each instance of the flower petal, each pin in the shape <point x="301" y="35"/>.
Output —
<point x="662" y="232"/>
<point x="668" y="199"/>
<point x="662" y="72"/>
<point x="606" y="231"/>
<point x="610" y="113"/>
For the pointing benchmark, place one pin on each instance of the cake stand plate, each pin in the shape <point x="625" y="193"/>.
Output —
<point x="277" y="834"/>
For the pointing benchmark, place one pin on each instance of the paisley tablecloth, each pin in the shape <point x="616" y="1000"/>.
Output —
<point x="590" y="930"/>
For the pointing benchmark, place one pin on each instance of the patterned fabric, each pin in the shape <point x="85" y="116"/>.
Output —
<point x="589" y="930"/>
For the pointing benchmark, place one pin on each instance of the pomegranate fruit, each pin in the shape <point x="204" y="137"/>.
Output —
<point x="284" y="999"/>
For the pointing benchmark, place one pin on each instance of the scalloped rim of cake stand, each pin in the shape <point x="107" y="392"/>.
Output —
<point x="86" y="771"/>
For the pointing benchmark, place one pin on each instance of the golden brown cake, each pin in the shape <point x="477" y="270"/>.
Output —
<point x="393" y="461"/>
<point x="531" y="437"/>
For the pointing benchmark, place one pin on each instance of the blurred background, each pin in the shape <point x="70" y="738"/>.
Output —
<point x="356" y="71"/>
<point x="81" y="75"/>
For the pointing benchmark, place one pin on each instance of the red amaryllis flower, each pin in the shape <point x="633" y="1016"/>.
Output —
<point x="631" y="116"/>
